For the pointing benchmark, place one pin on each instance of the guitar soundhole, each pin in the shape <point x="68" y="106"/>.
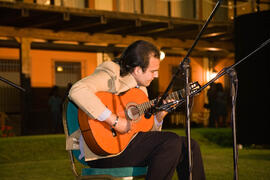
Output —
<point x="132" y="112"/>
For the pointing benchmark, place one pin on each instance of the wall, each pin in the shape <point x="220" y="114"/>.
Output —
<point x="42" y="79"/>
<point x="43" y="65"/>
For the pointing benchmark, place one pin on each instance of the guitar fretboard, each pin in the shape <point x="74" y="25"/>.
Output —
<point x="176" y="95"/>
<point x="147" y="105"/>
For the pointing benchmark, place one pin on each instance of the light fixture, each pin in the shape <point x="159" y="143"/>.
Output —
<point x="213" y="74"/>
<point x="59" y="68"/>
<point x="213" y="49"/>
<point x="162" y="55"/>
<point x="210" y="74"/>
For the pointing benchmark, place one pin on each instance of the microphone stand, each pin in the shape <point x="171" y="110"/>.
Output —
<point x="234" y="86"/>
<point x="184" y="67"/>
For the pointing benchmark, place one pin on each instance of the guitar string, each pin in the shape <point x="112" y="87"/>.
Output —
<point x="142" y="108"/>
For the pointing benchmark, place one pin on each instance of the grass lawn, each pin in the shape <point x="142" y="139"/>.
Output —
<point x="44" y="157"/>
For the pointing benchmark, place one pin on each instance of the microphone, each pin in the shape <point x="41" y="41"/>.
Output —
<point x="148" y="114"/>
<point x="151" y="110"/>
<point x="164" y="107"/>
<point x="167" y="106"/>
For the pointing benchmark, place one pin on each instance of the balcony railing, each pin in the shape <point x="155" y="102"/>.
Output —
<point x="189" y="9"/>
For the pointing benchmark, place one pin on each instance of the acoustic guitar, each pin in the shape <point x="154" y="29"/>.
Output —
<point x="102" y="139"/>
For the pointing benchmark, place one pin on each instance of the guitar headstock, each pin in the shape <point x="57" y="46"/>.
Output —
<point x="194" y="87"/>
<point x="181" y="94"/>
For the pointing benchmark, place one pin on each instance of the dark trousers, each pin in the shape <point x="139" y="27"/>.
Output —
<point x="162" y="152"/>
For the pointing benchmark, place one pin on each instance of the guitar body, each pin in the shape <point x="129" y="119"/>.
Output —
<point x="100" y="137"/>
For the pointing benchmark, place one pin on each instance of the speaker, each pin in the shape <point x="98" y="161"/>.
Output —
<point x="253" y="109"/>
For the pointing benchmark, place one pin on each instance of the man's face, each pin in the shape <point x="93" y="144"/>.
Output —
<point x="146" y="77"/>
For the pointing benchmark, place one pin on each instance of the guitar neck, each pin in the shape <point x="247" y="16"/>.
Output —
<point x="176" y="95"/>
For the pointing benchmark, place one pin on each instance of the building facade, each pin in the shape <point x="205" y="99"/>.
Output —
<point x="57" y="42"/>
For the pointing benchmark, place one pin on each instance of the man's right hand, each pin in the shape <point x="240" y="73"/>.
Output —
<point x="122" y="125"/>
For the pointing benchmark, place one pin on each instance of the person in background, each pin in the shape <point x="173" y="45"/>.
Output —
<point x="55" y="108"/>
<point x="211" y="105"/>
<point x="221" y="106"/>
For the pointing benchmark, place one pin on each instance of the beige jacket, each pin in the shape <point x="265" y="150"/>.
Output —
<point x="105" y="78"/>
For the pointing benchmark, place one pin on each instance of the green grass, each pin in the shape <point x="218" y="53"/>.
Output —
<point x="34" y="157"/>
<point x="44" y="157"/>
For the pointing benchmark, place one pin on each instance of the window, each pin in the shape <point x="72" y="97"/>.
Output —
<point x="9" y="96"/>
<point x="67" y="72"/>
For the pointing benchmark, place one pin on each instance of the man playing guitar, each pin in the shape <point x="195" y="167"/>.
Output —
<point x="138" y="141"/>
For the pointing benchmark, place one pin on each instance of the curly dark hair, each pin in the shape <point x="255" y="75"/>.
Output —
<point x="136" y="54"/>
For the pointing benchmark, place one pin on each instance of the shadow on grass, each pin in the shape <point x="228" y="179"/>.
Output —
<point x="219" y="136"/>
<point x="256" y="156"/>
